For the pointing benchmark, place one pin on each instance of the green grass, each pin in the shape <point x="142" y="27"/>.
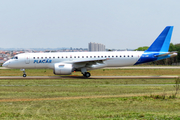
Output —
<point x="101" y="108"/>
<point x="98" y="99"/>
<point x="135" y="107"/>
<point x="99" y="72"/>
<point x="79" y="87"/>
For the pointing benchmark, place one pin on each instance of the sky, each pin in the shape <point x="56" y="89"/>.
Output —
<point x="118" y="24"/>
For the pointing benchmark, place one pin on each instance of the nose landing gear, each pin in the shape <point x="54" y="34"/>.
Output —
<point x="24" y="73"/>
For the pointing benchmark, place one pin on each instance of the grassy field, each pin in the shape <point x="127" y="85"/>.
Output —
<point x="99" y="72"/>
<point x="89" y="98"/>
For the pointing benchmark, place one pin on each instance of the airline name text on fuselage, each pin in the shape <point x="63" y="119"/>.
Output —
<point x="43" y="61"/>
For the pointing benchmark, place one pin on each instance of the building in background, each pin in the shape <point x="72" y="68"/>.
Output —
<point x="96" y="47"/>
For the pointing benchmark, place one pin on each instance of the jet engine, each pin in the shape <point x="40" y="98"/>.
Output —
<point x="62" y="69"/>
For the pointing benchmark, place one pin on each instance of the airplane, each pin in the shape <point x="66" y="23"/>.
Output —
<point x="64" y="63"/>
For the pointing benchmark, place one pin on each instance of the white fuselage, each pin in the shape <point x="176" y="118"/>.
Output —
<point x="47" y="60"/>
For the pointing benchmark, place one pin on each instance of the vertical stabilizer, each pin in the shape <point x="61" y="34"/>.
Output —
<point x="162" y="42"/>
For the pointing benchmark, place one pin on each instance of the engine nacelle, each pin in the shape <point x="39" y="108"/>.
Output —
<point x="62" y="69"/>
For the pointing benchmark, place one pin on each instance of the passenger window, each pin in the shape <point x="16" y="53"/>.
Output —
<point x="108" y="56"/>
<point x="120" y="56"/>
<point x="105" y="56"/>
<point x="128" y="55"/>
<point x="66" y="57"/>
<point x="70" y="56"/>
<point x="112" y="56"/>
<point x="74" y="56"/>
<point x="62" y="56"/>
<point x="116" y="56"/>
<point x="33" y="57"/>
<point x="61" y="66"/>
<point x="124" y="56"/>
<point x="82" y="56"/>
<point x="86" y="56"/>
<point x="98" y="56"/>
<point x="50" y="57"/>
<point x="54" y="57"/>
<point x="37" y="57"/>
<point x="90" y="56"/>
<point x="94" y="56"/>
<point x="41" y="57"/>
<point x="58" y="56"/>
<point x="102" y="56"/>
<point x="46" y="57"/>
<point x="131" y="55"/>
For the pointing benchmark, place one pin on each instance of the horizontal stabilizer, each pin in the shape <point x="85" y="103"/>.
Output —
<point x="169" y="53"/>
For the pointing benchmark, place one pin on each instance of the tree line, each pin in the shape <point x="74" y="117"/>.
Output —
<point x="168" y="61"/>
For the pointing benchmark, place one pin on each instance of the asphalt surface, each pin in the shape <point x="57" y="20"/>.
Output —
<point x="92" y="77"/>
<point x="145" y="67"/>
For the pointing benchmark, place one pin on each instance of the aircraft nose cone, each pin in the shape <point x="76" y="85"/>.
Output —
<point x="5" y="64"/>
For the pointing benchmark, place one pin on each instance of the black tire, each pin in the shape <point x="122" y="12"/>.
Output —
<point x="24" y="75"/>
<point x="87" y="74"/>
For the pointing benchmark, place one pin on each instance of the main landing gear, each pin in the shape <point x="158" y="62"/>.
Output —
<point x="24" y="73"/>
<point x="85" y="73"/>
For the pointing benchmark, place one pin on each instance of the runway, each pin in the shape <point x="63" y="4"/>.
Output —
<point x="92" y="77"/>
<point x="145" y="67"/>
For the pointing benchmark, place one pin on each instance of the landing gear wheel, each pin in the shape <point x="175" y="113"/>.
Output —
<point x="24" y="75"/>
<point x="86" y="74"/>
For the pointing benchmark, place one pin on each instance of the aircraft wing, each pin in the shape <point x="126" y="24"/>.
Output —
<point x="78" y="64"/>
<point x="88" y="61"/>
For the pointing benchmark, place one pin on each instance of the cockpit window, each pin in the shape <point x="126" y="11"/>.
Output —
<point x="15" y="57"/>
